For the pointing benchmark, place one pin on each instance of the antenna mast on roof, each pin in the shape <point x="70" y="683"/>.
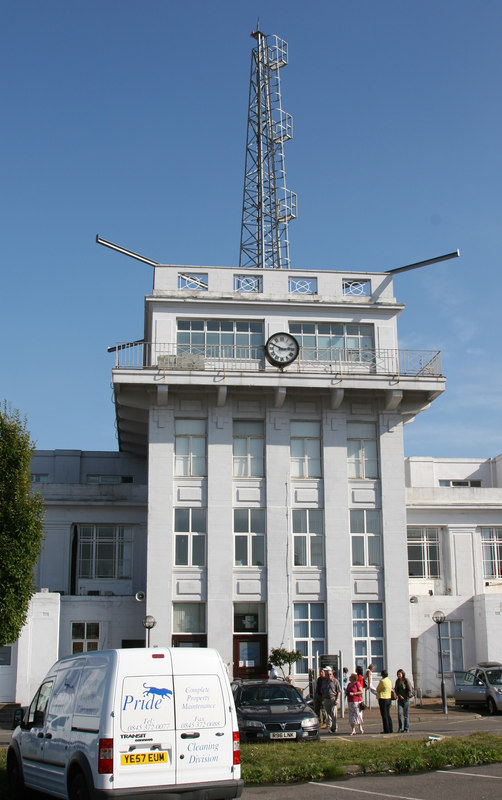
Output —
<point x="267" y="205"/>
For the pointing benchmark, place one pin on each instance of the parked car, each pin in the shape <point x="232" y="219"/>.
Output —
<point x="268" y="710"/>
<point x="480" y="686"/>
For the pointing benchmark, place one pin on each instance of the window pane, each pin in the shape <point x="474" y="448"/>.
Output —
<point x="316" y="551"/>
<point x="241" y="524"/>
<point x="299" y="520"/>
<point x="301" y="610"/>
<point x="312" y="429"/>
<point x="181" y="554"/>
<point x="181" y="519"/>
<point x="361" y="430"/>
<point x="198" y="551"/>
<point x="77" y="630"/>
<point x="356" y="521"/>
<point x="258" y="551"/>
<point x="301" y="630"/>
<point x="376" y="628"/>
<point x="258" y="520"/>
<point x="374" y="558"/>
<point x="300" y="544"/>
<point x="316" y="520"/>
<point x="316" y="610"/>
<point x="199" y="520"/>
<point x="192" y="426"/>
<point x="357" y="551"/>
<point x="317" y="630"/>
<point x="241" y="551"/>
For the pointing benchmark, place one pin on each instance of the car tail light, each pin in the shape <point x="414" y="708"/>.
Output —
<point x="237" y="748"/>
<point x="105" y="756"/>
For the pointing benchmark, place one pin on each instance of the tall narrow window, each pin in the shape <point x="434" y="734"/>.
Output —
<point x="366" y="538"/>
<point x="248" y="448"/>
<point x="362" y="450"/>
<point x="491" y="539"/>
<point x="309" y="630"/>
<point x="190" y="537"/>
<point x="423" y="553"/>
<point x="249" y="533"/>
<point x="190" y="447"/>
<point x="308" y="537"/>
<point x="367" y="626"/>
<point x="305" y="450"/>
<point x="452" y="646"/>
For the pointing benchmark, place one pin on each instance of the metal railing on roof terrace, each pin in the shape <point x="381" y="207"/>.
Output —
<point x="241" y="358"/>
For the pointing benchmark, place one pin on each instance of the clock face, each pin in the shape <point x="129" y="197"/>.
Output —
<point x="281" y="349"/>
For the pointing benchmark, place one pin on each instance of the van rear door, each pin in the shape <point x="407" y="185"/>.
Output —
<point x="204" y="730"/>
<point x="144" y="742"/>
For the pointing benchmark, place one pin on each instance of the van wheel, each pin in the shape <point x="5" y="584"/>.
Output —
<point x="15" y="781"/>
<point x="78" y="788"/>
<point x="492" y="708"/>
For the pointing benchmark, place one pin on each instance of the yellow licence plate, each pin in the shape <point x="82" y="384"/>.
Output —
<point x="152" y="757"/>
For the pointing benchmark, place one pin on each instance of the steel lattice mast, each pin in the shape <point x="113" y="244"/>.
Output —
<point x="268" y="205"/>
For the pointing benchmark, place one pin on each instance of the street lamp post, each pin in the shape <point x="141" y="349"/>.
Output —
<point x="149" y="622"/>
<point x="439" y="618"/>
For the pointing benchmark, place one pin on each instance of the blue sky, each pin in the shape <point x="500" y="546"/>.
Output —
<point x="128" y="119"/>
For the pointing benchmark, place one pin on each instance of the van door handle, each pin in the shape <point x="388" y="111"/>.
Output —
<point x="190" y="735"/>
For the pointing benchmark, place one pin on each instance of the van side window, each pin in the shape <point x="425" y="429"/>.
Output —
<point x="36" y="714"/>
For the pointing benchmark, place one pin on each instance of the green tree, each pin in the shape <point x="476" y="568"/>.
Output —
<point x="280" y="657"/>
<point x="21" y="528"/>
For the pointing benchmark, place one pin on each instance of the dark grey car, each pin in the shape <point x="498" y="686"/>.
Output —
<point x="480" y="686"/>
<point x="273" y="710"/>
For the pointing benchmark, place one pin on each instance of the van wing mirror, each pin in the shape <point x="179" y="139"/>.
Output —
<point x="17" y="717"/>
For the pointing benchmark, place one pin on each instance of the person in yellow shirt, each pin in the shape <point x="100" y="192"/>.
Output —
<point x="384" y="697"/>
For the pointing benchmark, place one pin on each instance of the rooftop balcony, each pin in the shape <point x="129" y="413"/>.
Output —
<point x="173" y="358"/>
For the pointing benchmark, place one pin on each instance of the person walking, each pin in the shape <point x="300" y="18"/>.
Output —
<point x="318" y="706"/>
<point x="331" y="690"/>
<point x="384" y="697"/>
<point x="354" y="695"/>
<point x="403" y="691"/>
<point x="368" y="677"/>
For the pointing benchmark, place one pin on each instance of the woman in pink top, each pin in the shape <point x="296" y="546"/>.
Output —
<point x="354" y="694"/>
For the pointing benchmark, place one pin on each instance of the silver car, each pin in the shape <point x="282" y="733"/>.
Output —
<point x="480" y="686"/>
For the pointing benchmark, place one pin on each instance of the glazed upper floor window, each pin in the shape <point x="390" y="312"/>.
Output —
<point x="190" y="436"/>
<point x="362" y="454"/>
<point x="423" y="553"/>
<point x="366" y="537"/>
<point x="305" y="447"/>
<point x="220" y="338"/>
<point x="190" y="526"/>
<point x="308" y="538"/>
<point x="491" y="539"/>
<point x="334" y="341"/>
<point x="105" y="551"/>
<point x="248" y="448"/>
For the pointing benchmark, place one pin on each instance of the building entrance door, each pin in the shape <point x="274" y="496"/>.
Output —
<point x="250" y="655"/>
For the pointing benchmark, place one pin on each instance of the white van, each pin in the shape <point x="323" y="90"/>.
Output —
<point x="139" y="723"/>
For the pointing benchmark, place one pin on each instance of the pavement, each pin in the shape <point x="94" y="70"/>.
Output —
<point x="426" y="720"/>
